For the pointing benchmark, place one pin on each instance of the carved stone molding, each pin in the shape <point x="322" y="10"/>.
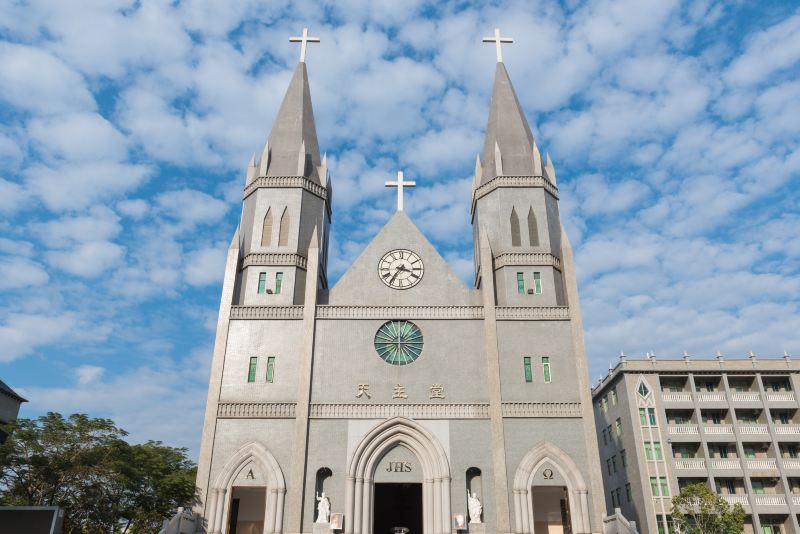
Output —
<point x="478" y="410"/>
<point x="532" y="313"/>
<point x="513" y="181"/>
<point x="286" y="181"/>
<point x="400" y="312"/>
<point x="267" y="410"/>
<point x="541" y="409"/>
<point x="268" y="258"/>
<point x="526" y="258"/>
<point x="266" y="312"/>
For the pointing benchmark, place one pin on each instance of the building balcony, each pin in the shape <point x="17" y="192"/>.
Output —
<point x="796" y="500"/>
<point x="787" y="430"/>
<point x="745" y="396"/>
<point x="683" y="430"/>
<point x="710" y="396"/>
<point x="718" y="429"/>
<point x="761" y="464"/>
<point x="676" y="396"/>
<point x="780" y="396"/>
<point x="736" y="499"/>
<point x="769" y="500"/>
<point x="791" y="463"/>
<point x="690" y="463"/>
<point x="751" y="430"/>
<point x="725" y="463"/>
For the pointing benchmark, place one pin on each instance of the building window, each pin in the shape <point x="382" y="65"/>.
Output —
<point x="664" y="486"/>
<point x="270" y="369"/>
<point x="618" y="425"/>
<point x="526" y="364"/>
<point x="537" y="282"/>
<point x="546" y="370"/>
<point x="654" y="486"/>
<point x="643" y="390"/>
<point x="608" y="466"/>
<point x="533" y="231"/>
<point x="624" y="457"/>
<point x="628" y="494"/>
<point x="520" y="284"/>
<point x="266" y="229"/>
<point x="614" y="462"/>
<point x="758" y="487"/>
<point x="657" y="450"/>
<point x="792" y="451"/>
<point x="251" y="373"/>
<point x="652" y="413"/>
<point x="262" y="283"/>
<point x="283" y="233"/>
<point x="749" y="452"/>
<point x="278" y="283"/>
<point x="648" y="450"/>
<point x="515" y="240"/>
<point x="613" y="502"/>
<point x="643" y="416"/>
<point x="619" y="497"/>
<point x="613" y="396"/>
<point x="723" y="451"/>
<point x="610" y="432"/>
<point x="605" y="437"/>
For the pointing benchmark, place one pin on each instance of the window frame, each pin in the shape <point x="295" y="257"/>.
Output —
<point x="521" y="283"/>
<point x="537" y="282"/>
<point x="270" y="369"/>
<point x="262" y="283"/>
<point x="527" y="365"/>
<point x="547" y="374"/>
<point x="278" y="282"/>
<point x="252" y="369"/>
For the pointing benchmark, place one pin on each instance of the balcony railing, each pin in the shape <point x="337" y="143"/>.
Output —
<point x="787" y="429"/>
<point x="745" y="396"/>
<point x="790" y="463"/>
<point x="753" y="429"/>
<point x="683" y="429"/>
<point x="725" y="463"/>
<point x="736" y="499"/>
<point x="761" y="463"/>
<point x="780" y="396"/>
<point x="770" y="500"/>
<point x="712" y="396"/>
<point x="718" y="429"/>
<point x="796" y="500"/>
<point x="690" y="463"/>
<point x="676" y="396"/>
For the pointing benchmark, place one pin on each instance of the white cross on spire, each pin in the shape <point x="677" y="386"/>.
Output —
<point x="399" y="184"/>
<point x="497" y="40"/>
<point x="303" y="40"/>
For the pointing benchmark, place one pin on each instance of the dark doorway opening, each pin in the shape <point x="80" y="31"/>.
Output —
<point x="398" y="505"/>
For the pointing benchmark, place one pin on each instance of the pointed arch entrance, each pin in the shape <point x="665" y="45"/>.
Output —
<point x="253" y="473"/>
<point x="361" y="471"/>
<point x="563" y="470"/>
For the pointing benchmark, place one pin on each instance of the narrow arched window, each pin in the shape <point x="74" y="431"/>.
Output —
<point x="283" y="235"/>
<point x="266" y="230"/>
<point x="515" y="241"/>
<point x="533" y="229"/>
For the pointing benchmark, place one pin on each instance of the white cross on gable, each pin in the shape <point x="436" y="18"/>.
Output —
<point x="303" y="40"/>
<point x="399" y="184"/>
<point x="497" y="40"/>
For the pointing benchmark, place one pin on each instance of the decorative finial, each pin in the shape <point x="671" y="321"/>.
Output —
<point x="719" y="356"/>
<point x="303" y="40"/>
<point x="399" y="184"/>
<point x="685" y="355"/>
<point x="497" y="40"/>
<point x="752" y="355"/>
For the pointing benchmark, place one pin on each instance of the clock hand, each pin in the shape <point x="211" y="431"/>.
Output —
<point x="394" y="276"/>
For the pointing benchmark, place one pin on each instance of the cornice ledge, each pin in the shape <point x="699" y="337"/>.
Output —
<point x="532" y="313"/>
<point x="274" y="258"/>
<point x="266" y="312"/>
<point x="513" y="181"/>
<point x="526" y="258"/>
<point x="399" y="312"/>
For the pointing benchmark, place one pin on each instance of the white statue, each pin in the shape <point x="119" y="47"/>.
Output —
<point x="475" y="507"/>
<point x="323" y="508"/>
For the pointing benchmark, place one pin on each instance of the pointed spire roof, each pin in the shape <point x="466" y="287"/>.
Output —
<point x="294" y="132"/>
<point x="508" y="135"/>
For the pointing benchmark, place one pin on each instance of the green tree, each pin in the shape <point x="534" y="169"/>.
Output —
<point x="698" y="510"/>
<point x="85" y="466"/>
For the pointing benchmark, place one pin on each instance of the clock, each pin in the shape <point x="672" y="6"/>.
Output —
<point x="400" y="269"/>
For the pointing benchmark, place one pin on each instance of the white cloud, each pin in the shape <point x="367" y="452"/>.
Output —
<point x="770" y="50"/>
<point x="205" y="266"/>
<point x="77" y="137"/>
<point x="87" y="260"/>
<point x="16" y="273"/>
<point x="190" y="207"/>
<point x="22" y="333"/>
<point x="37" y="81"/>
<point x="87" y="374"/>
<point x="12" y="197"/>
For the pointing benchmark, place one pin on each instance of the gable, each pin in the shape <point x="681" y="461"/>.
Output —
<point x="439" y="286"/>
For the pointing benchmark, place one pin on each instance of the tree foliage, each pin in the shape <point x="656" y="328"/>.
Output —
<point x="698" y="510"/>
<point x="85" y="466"/>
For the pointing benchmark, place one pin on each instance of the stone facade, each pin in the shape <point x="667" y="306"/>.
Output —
<point x="497" y="403"/>
<point x="733" y="424"/>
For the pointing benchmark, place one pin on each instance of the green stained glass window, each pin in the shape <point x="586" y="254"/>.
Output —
<point x="270" y="369"/>
<point x="251" y="372"/>
<point x="537" y="282"/>
<point x="526" y="363"/>
<point x="278" y="283"/>
<point x="546" y="368"/>
<point x="399" y="342"/>
<point x="262" y="283"/>
<point x="520" y="283"/>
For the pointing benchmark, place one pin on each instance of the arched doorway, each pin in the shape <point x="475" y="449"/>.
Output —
<point x="550" y="494"/>
<point x="401" y="444"/>
<point x="247" y="496"/>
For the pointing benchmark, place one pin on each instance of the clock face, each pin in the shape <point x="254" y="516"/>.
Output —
<point x="400" y="269"/>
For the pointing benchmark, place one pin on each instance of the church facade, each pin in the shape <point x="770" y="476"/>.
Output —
<point x="399" y="397"/>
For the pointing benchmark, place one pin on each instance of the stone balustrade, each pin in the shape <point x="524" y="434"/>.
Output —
<point x="711" y="396"/>
<point x="787" y="429"/>
<point x="676" y="396"/>
<point x="718" y="429"/>
<point x="690" y="463"/>
<point x="736" y="499"/>
<point x="761" y="463"/>
<point x="745" y="396"/>
<point x="769" y="500"/>
<point x="780" y="396"/>
<point x="725" y="463"/>
<point x="683" y="429"/>
<point x="753" y="429"/>
<point x="791" y="463"/>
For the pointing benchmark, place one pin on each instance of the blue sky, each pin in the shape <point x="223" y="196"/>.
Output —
<point x="126" y="128"/>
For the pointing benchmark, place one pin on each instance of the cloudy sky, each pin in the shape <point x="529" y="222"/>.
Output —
<point x="126" y="128"/>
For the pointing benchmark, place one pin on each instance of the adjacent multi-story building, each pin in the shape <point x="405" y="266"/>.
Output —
<point x="731" y="423"/>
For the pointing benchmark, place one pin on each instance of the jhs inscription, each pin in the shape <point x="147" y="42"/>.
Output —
<point x="398" y="467"/>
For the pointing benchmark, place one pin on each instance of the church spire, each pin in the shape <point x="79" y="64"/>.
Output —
<point x="509" y="144"/>
<point x="292" y="147"/>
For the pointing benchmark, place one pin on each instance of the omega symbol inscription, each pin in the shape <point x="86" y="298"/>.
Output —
<point x="398" y="467"/>
<point x="548" y="474"/>
<point x="400" y="269"/>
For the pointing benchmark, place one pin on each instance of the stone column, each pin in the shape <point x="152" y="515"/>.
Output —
<point x="446" y="505"/>
<point x="218" y="520"/>
<point x="211" y="506"/>
<point x="437" y="505"/>
<point x="279" y="510"/>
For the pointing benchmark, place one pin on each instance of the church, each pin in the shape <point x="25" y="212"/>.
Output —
<point x="399" y="400"/>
